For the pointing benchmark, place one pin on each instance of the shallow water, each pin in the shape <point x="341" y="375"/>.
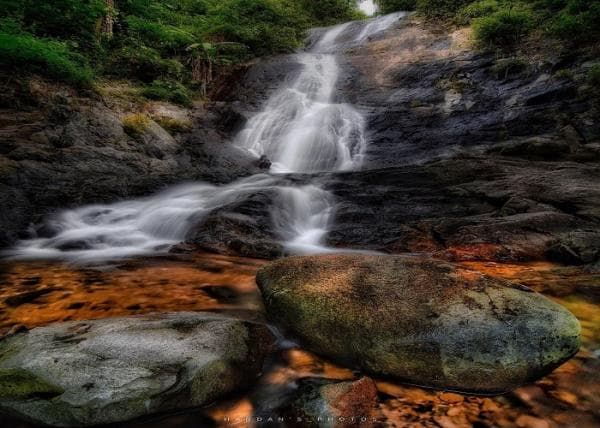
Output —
<point x="39" y="293"/>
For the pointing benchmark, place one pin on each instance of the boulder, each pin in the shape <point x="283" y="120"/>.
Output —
<point x="112" y="370"/>
<point x="420" y="320"/>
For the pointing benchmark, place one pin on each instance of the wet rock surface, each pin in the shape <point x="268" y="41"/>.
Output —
<point x="68" y="150"/>
<point x="423" y="321"/>
<point x="105" y="371"/>
<point x="475" y="208"/>
<point x="469" y="157"/>
<point x="568" y="397"/>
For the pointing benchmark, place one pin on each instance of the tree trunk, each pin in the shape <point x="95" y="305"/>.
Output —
<point x="108" y="20"/>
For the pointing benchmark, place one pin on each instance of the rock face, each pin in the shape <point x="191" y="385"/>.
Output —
<point x="423" y="321"/>
<point x="105" y="371"/>
<point x="472" y="207"/>
<point x="68" y="150"/>
<point x="468" y="156"/>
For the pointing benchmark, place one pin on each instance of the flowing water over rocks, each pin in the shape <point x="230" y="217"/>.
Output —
<point x="303" y="129"/>
<point x="448" y="158"/>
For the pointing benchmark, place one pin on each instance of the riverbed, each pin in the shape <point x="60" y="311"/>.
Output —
<point x="39" y="293"/>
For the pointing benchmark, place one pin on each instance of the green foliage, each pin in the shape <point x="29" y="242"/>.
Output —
<point x="165" y="90"/>
<point x="55" y="59"/>
<point x="476" y="9"/>
<point x="440" y="8"/>
<point x="577" y="21"/>
<point x="165" y="37"/>
<point x="503" y="23"/>
<point x="328" y="12"/>
<point x="156" y="40"/>
<point x="389" y="6"/>
<point x="503" y="29"/>
<point x="73" y="20"/>
<point x="142" y="63"/>
<point x="265" y="26"/>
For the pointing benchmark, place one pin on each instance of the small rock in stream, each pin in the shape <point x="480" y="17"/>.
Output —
<point x="112" y="370"/>
<point x="422" y="321"/>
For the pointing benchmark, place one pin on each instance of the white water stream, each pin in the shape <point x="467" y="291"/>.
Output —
<point x="368" y="7"/>
<point x="303" y="128"/>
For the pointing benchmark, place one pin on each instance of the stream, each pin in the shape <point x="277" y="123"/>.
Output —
<point x="109" y="260"/>
<point x="304" y="128"/>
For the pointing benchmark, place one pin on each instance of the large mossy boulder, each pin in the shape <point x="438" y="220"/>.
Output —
<point x="423" y="321"/>
<point x="112" y="370"/>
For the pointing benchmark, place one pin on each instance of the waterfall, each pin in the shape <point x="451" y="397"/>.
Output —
<point x="368" y="7"/>
<point x="303" y="128"/>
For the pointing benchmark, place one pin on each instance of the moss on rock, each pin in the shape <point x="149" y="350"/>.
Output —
<point x="424" y="321"/>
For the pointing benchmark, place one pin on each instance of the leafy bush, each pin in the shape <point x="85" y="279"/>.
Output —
<point x="151" y="39"/>
<point x="503" y="29"/>
<point x="265" y="26"/>
<point x="74" y="20"/>
<point x="158" y="35"/>
<point x="440" y="8"/>
<point x="168" y="91"/>
<point x="143" y="63"/>
<point x="476" y="9"/>
<point x="328" y="12"/>
<point x="578" y="21"/>
<point x="40" y="55"/>
<point x="389" y="6"/>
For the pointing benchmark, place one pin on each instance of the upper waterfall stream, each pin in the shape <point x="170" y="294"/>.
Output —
<point x="304" y="128"/>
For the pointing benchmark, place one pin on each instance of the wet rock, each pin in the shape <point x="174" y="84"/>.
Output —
<point x="576" y="248"/>
<point x="27" y="297"/>
<point x="553" y="92"/>
<point x="423" y="321"/>
<point x="158" y="142"/>
<point x="519" y="207"/>
<point x="78" y="153"/>
<point x="264" y="162"/>
<point x="241" y="228"/>
<point x="112" y="370"/>
<point x="535" y="148"/>
<point x="326" y="404"/>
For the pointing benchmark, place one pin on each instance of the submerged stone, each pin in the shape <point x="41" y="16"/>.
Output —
<point x="112" y="370"/>
<point x="423" y="321"/>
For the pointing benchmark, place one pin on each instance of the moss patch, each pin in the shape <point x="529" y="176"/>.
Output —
<point x="20" y="384"/>
<point x="135" y="125"/>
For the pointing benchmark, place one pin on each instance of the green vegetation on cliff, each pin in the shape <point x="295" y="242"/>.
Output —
<point x="502" y="24"/>
<point x="165" y="44"/>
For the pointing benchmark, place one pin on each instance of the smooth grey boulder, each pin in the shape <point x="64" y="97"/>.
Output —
<point x="423" y="321"/>
<point x="112" y="370"/>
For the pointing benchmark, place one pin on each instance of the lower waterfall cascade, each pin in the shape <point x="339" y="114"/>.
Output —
<point x="303" y="128"/>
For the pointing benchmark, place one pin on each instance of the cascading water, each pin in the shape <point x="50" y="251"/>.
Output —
<point x="303" y="129"/>
<point x="368" y="7"/>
